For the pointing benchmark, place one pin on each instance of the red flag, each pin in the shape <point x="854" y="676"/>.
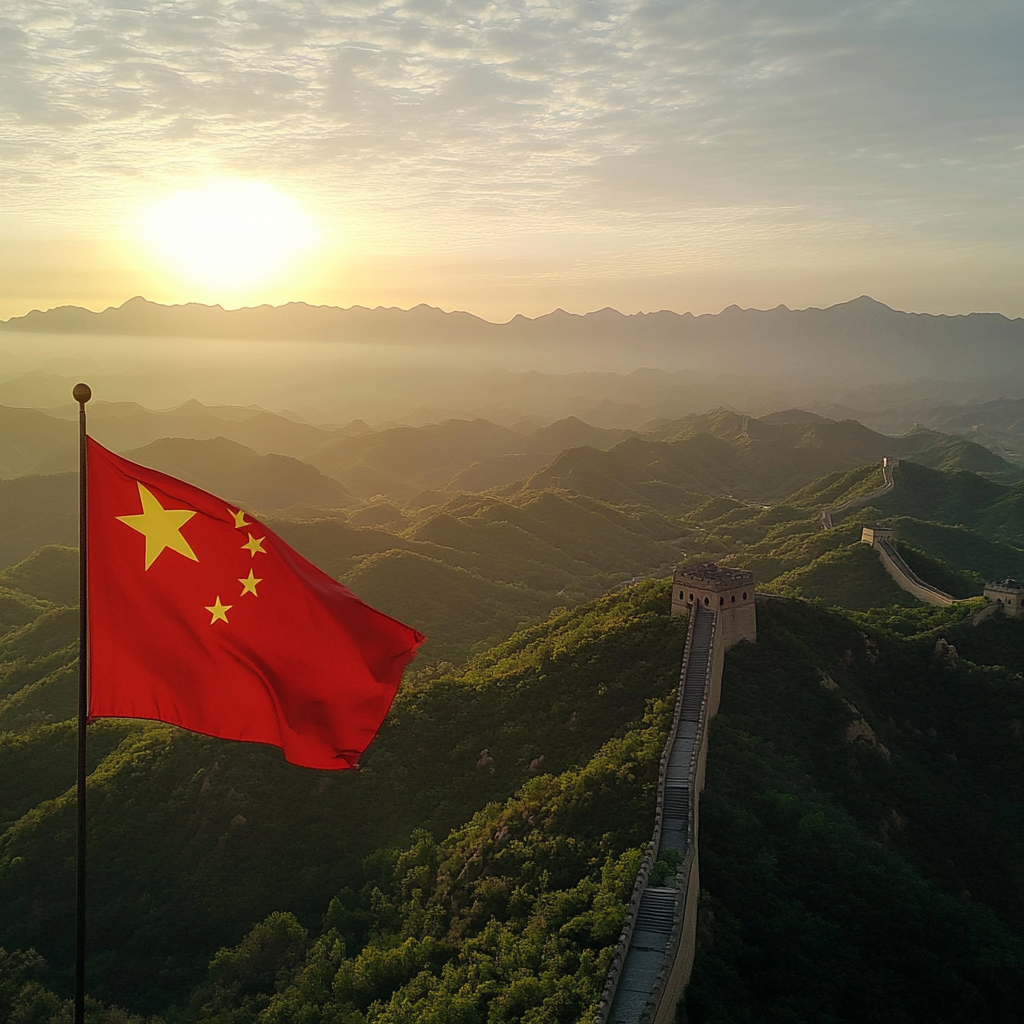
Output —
<point x="202" y="617"/>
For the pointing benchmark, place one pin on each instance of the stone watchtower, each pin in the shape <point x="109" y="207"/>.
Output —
<point x="1008" y="593"/>
<point x="730" y="591"/>
<point x="874" y="535"/>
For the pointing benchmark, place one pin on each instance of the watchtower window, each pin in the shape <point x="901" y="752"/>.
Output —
<point x="733" y="598"/>
<point x="744" y="595"/>
<point x="721" y="600"/>
<point x="681" y="595"/>
<point x="706" y="601"/>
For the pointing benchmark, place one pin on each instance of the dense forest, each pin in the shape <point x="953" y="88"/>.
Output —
<point x="860" y="851"/>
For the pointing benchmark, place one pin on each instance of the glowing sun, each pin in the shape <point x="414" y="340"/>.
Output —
<point x="228" y="234"/>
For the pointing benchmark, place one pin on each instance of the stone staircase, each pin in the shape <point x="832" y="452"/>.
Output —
<point x="639" y="984"/>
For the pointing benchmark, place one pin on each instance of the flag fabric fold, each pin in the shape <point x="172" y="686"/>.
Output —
<point x="202" y="617"/>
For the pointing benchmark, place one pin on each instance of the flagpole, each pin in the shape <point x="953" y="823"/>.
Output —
<point x="82" y="393"/>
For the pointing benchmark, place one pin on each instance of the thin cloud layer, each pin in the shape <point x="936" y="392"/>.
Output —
<point x="689" y="134"/>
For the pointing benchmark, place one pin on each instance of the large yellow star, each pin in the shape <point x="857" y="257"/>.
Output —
<point x="240" y="519"/>
<point x="161" y="527"/>
<point x="218" y="610"/>
<point x="254" y="546"/>
<point x="249" y="585"/>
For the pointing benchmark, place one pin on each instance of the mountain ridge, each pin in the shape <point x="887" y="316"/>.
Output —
<point x="862" y="332"/>
<point x="138" y="305"/>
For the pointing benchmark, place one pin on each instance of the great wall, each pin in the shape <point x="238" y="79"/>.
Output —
<point x="883" y="540"/>
<point x="1007" y="594"/>
<point x="655" y="951"/>
<point x="654" y="955"/>
<point x="888" y="465"/>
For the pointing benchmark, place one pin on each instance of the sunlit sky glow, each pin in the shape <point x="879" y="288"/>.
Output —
<point x="229" y="236"/>
<point x="515" y="156"/>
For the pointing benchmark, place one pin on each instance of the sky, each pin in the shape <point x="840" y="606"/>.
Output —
<point x="512" y="156"/>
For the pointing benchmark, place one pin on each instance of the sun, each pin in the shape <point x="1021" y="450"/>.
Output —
<point x="228" y="235"/>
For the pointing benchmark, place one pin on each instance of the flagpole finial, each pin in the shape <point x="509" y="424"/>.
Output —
<point x="82" y="393"/>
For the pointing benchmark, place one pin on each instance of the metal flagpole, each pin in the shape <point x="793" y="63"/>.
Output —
<point x="82" y="394"/>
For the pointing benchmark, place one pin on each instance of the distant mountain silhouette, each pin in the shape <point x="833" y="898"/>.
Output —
<point x="862" y="333"/>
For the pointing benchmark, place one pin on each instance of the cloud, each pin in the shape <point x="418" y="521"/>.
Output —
<point x="713" y="129"/>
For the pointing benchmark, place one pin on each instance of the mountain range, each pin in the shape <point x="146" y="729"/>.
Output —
<point x="861" y="337"/>
<point x="860" y="854"/>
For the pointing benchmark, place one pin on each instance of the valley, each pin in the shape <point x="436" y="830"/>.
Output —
<point x="480" y="863"/>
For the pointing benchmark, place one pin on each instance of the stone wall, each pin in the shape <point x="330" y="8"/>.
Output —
<point x="649" y="973"/>
<point x="907" y="578"/>
<point x="829" y="514"/>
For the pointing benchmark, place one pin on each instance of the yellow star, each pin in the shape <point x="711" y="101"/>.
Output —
<point x="240" y="519"/>
<point x="161" y="527"/>
<point x="218" y="610"/>
<point x="249" y="585"/>
<point x="255" y="544"/>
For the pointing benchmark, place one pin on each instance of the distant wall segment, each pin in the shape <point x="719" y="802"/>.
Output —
<point x="883" y="540"/>
<point x="833" y="511"/>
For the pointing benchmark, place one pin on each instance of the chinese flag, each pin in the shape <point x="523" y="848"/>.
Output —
<point x="201" y="617"/>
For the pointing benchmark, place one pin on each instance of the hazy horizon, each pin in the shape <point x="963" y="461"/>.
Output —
<point x="228" y="307"/>
<point x="513" y="157"/>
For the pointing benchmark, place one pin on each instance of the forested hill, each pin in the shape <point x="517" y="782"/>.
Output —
<point x="860" y="834"/>
<point x="859" y="842"/>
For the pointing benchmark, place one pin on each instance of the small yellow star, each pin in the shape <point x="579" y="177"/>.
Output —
<point x="249" y="585"/>
<point x="160" y="526"/>
<point x="255" y="545"/>
<point x="218" y="610"/>
<point x="240" y="519"/>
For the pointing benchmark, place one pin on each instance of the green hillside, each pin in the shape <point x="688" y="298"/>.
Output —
<point x="403" y="461"/>
<point x="860" y="872"/>
<point x="49" y="574"/>
<point x="712" y="454"/>
<point x="471" y="570"/>
<point x="456" y="455"/>
<point x="962" y="531"/>
<point x="966" y="550"/>
<point x="860" y="833"/>
<point x="195" y="839"/>
<point x="958" y="499"/>
<point x="38" y="673"/>
<point x="851" y="576"/>
<point x="474" y="611"/>
<point x="17" y="609"/>
<point x="860" y="840"/>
